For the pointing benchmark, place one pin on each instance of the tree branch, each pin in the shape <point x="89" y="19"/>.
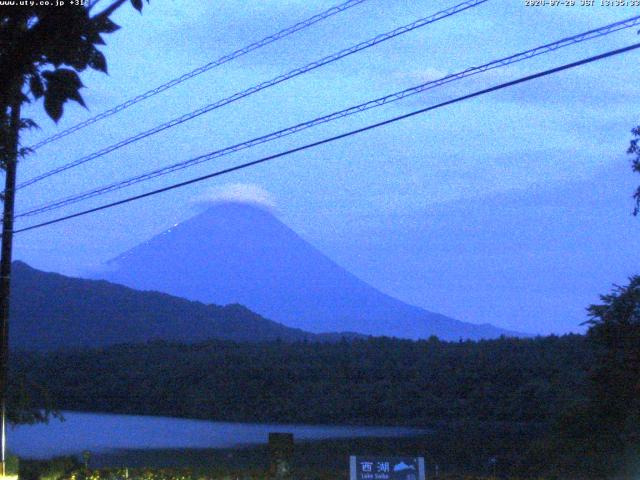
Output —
<point x="110" y="9"/>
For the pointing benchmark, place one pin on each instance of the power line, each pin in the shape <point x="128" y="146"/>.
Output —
<point x="338" y="137"/>
<point x="275" y="81"/>
<point x="634" y="21"/>
<point x="204" y="68"/>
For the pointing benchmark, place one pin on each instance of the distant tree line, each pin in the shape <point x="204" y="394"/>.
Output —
<point x="364" y="381"/>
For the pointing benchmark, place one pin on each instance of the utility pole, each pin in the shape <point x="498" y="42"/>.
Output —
<point x="10" y="165"/>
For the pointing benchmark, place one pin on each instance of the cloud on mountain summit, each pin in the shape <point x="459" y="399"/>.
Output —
<point x="236" y="192"/>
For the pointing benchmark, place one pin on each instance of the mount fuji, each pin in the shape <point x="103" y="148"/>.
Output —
<point x="241" y="253"/>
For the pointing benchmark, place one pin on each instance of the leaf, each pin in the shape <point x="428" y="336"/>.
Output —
<point x="75" y="95"/>
<point x="25" y="151"/>
<point x="98" y="62"/>
<point x="137" y="4"/>
<point x="27" y="123"/>
<point x="63" y="76"/>
<point x="93" y="35"/>
<point x="35" y="84"/>
<point x="79" y="59"/>
<point x="53" y="106"/>
<point x="62" y="85"/>
<point x="105" y="25"/>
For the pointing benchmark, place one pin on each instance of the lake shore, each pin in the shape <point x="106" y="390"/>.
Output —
<point x="104" y="433"/>
<point x="459" y="450"/>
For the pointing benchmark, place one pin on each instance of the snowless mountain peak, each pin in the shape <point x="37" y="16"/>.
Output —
<point x="238" y="252"/>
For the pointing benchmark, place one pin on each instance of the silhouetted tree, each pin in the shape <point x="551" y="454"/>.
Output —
<point x="615" y="379"/>
<point x="634" y="149"/>
<point x="599" y="435"/>
<point x="43" y="48"/>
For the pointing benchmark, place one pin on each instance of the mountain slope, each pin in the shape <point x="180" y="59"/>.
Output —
<point x="51" y="311"/>
<point x="239" y="253"/>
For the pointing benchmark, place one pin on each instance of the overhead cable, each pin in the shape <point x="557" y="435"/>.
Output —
<point x="385" y="100"/>
<point x="257" y="88"/>
<point x="200" y="70"/>
<point x="336" y="137"/>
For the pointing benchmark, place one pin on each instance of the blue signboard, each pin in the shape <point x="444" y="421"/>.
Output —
<point x="386" y="468"/>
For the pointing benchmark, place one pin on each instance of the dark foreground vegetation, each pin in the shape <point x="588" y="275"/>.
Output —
<point x="374" y="381"/>
<point x="462" y="449"/>
<point x="327" y="459"/>
<point x="555" y="407"/>
<point x="491" y="399"/>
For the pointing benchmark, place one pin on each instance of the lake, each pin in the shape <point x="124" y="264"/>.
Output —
<point x="104" y="433"/>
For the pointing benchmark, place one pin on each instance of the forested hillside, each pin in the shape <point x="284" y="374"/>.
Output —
<point x="373" y="381"/>
<point x="51" y="311"/>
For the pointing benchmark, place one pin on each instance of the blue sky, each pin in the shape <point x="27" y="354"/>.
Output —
<point x="512" y="208"/>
